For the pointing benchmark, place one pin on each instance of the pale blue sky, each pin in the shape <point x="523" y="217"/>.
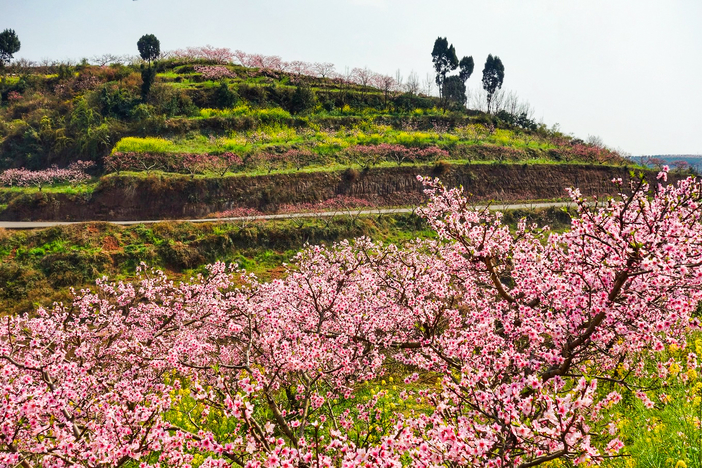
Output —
<point x="629" y="71"/>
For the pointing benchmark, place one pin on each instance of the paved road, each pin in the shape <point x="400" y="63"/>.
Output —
<point x="495" y="207"/>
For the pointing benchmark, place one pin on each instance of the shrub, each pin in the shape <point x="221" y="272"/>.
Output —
<point x="351" y="174"/>
<point x="303" y="99"/>
<point x="148" y="77"/>
<point x="225" y="97"/>
<point x="441" y="168"/>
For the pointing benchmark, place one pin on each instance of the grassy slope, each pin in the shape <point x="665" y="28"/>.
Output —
<point x="88" y="113"/>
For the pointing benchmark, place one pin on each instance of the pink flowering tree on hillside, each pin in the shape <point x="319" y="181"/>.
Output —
<point x="522" y="328"/>
<point x="544" y="318"/>
<point x="214" y="72"/>
<point x="73" y="174"/>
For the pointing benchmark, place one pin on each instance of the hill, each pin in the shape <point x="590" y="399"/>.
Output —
<point x="58" y="114"/>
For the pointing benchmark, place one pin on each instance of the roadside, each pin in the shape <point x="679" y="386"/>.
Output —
<point x="321" y="214"/>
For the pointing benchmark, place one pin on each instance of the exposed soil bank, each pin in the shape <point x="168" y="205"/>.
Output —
<point x="173" y="197"/>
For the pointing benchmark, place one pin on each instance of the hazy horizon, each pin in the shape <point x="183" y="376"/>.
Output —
<point x="624" y="71"/>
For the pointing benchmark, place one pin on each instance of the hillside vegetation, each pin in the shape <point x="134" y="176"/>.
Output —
<point x="203" y="116"/>
<point x="457" y="337"/>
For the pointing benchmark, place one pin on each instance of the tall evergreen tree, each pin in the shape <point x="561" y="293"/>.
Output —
<point x="445" y="60"/>
<point x="149" y="47"/>
<point x="493" y="76"/>
<point x="466" y="66"/>
<point x="454" y="91"/>
<point x="9" y="45"/>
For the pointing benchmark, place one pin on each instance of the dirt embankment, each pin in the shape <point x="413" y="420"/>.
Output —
<point x="155" y="197"/>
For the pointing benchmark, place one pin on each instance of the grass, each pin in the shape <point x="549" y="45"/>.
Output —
<point x="338" y="167"/>
<point x="327" y="147"/>
<point x="668" y="435"/>
<point x="79" y="189"/>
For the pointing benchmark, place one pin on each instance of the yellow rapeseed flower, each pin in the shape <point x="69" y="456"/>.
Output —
<point x="681" y="464"/>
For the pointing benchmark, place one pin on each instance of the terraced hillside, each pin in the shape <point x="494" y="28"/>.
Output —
<point x="208" y="118"/>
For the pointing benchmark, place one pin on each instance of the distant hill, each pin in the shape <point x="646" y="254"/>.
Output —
<point x="197" y="105"/>
<point x="694" y="160"/>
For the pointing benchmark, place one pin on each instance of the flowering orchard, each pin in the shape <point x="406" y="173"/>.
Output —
<point x="369" y="155"/>
<point x="73" y="174"/>
<point x="214" y="72"/>
<point x="224" y="56"/>
<point x="191" y="163"/>
<point x="533" y="336"/>
<point x="221" y="163"/>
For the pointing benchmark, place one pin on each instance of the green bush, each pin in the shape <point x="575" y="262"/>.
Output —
<point x="148" y="77"/>
<point x="224" y="96"/>
<point x="303" y="100"/>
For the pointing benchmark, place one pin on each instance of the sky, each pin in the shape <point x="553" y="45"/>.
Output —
<point x="627" y="71"/>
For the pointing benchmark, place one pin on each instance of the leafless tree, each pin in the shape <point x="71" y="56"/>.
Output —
<point x="412" y="84"/>
<point x="386" y="83"/>
<point x="428" y="85"/>
<point x="477" y="99"/>
<point x="21" y="64"/>
<point x="323" y="69"/>
<point x="399" y="81"/>
<point x="362" y="76"/>
<point x="509" y="101"/>
<point x="498" y="100"/>
<point x="105" y="59"/>
<point x="594" y="140"/>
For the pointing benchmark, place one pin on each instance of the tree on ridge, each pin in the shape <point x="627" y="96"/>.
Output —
<point x="493" y="77"/>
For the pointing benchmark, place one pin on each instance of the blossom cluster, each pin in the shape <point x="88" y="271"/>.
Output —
<point x="519" y="327"/>
<point x="14" y="96"/>
<point x="73" y="174"/>
<point x="592" y="153"/>
<point x="214" y="72"/>
<point x="220" y="55"/>
<point x="224" y="56"/>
